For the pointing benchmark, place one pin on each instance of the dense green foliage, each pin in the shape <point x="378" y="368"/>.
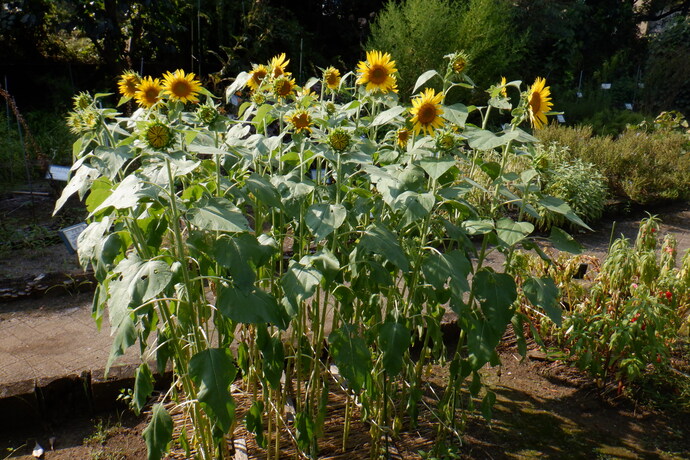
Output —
<point x="641" y="165"/>
<point x="419" y="33"/>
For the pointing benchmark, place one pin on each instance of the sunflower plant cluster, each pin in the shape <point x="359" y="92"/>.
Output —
<point x="327" y="217"/>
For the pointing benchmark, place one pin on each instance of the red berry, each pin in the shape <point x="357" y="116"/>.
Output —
<point x="669" y="295"/>
<point x="644" y="326"/>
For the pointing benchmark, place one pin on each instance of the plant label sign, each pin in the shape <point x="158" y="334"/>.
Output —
<point x="69" y="236"/>
<point x="628" y="106"/>
<point x="560" y="118"/>
<point x="56" y="172"/>
<point x="606" y="86"/>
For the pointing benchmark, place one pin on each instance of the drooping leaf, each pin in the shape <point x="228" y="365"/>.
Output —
<point x="452" y="268"/>
<point x="253" y="419"/>
<point x="564" y="242"/>
<point x="218" y="214"/>
<point x="125" y="337"/>
<point x="158" y="433"/>
<point x="496" y="293"/>
<point x="351" y="355"/>
<point x="128" y="194"/>
<point x="561" y="207"/>
<point x="543" y="292"/>
<point x="213" y="371"/>
<point x="423" y="78"/>
<point x="143" y="387"/>
<point x="394" y="339"/>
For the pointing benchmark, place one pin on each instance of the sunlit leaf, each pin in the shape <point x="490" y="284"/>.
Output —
<point x="158" y="433"/>
<point x="214" y="371"/>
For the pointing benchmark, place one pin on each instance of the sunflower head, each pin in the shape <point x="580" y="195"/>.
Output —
<point x="539" y="102"/>
<point x="504" y="89"/>
<point x="82" y="121"/>
<point x="148" y="92"/>
<point x="331" y="76"/>
<point x="300" y="120"/>
<point x="283" y="86"/>
<point x="277" y="65"/>
<point x="339" y="140"/>
<point x="445" y="141"/>
<point x="179" y="86"/>
<point x="258" y="73"/>
<point x="207" y="113"/>
<point x="259" y="98"/>
<point x="458" y="62"/>
<point x="128" y="83"/>
<point x="82" y="101"/>
<point x="402" y="136"/>
<point x="158" y="135"/>
<point x="330" y="108"/>
<point x="377" y="72"/>
<point x="426" y="112"/>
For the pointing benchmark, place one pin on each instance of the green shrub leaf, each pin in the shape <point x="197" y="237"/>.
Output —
<point x="158" y="433"/>
<point x="543" y="292"/>
<point x="213" y="370"/>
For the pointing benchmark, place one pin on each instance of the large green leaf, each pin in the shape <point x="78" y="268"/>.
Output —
<point x="456" y="113"/>
<point x="436" y="167"/>
<point x="300" y="282"/>
<point x="496" y="293"/>
<point x="109" y="160"/>
<point x="218" y="214"/>
<point x="323" y="218"/>
<point x="263" y="190"/>
<point x="79" y="182"/>
<point x="561" y="207"/>
<point x="394" y="339"/>
<point x="249" y="307"/>
<point x="132" y="191"/>
<point x="158" y="433"/>
<point x="213" y="371"/>
<point x="152" y="277"/>
<point x="351" y="354"/>
<point x="253" y="419"/>
<point x="387" y="115"/>
<point x="452" y="267"/>
<point x="379" y="240"/>
<point x="238" y="254"/>
<point x="510" y="232"/>
<point x="543" y="292"/>
<point x="414" y="206"/>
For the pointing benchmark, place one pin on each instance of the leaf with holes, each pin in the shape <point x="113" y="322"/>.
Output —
<point x="323" y="218"/>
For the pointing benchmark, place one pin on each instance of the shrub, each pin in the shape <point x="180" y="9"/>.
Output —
<point x="576" y="182"/>
<point x="644" y="166"/>
<point x="418" y="33"/>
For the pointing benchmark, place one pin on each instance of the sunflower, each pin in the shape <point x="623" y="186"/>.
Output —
<point x="283" y="86"/>
<point x="339" y="140"/>
<point x="158" y="135"/>
<point x="258" y="73"/>
<point x="402" y="136"/>
<point x="504" y="89"/>
<point x="539" y="100"/>
<point x="377" y="72"/>
<point x="148" y="92"/>
<point x="277" y="65"/>
<point x="82" y="101"/>
<point x="128" y="83"/>
<point x="82" y="121"/>
<point x="181" y="87"/>
<point x="331" y="76"/>
<point x="426" y="111"/>
<point x="445" y="141"/>
<point x="300" y="119"/>
<point x="207" y="113"/>
<point x="458" y="62"/>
